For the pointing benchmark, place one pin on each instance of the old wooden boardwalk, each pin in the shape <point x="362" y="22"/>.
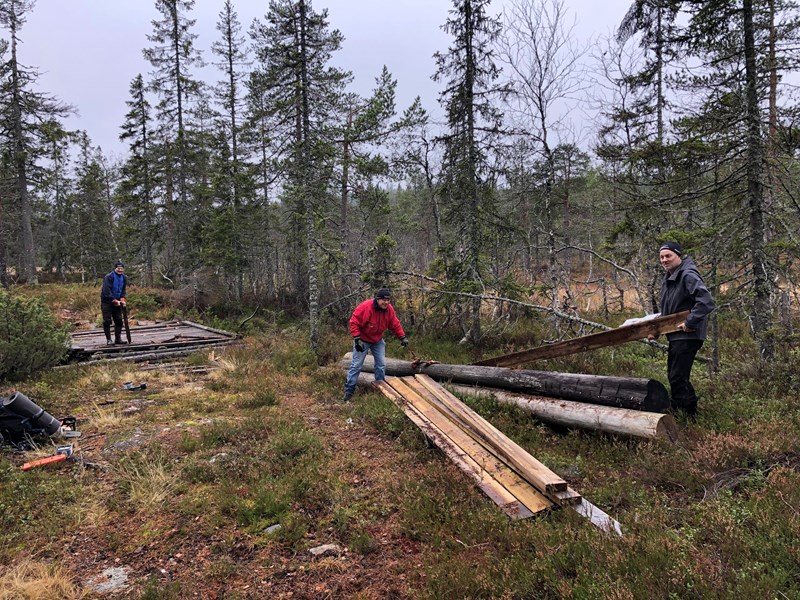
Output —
<point x="149" y="341"/>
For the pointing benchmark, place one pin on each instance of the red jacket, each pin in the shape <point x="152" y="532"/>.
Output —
<point x="369" y="322"/>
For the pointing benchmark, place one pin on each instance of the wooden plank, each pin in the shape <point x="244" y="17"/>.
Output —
<point x="505" y="477"/>
<point x="613" y="337"/>
<point x="489" y="485"/>
<point x="493" y="489"/>
<point x="506" y="449"/>
<point x="511" y="480"/>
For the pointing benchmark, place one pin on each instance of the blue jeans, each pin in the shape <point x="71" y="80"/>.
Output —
<point x="378" y="353"/>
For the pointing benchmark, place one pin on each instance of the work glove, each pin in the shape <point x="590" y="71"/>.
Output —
<point x="115" y="302"/>
<point x="122" y="301"/>
<point x="404" y="341"/>
<point x="359" y="346"/>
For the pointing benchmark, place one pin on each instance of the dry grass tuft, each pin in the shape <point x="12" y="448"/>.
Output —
<point x="93" y="511"/>
<point x="38" y="581"/>
<point x="106" y="420"/>
<point x="147" y="480"/>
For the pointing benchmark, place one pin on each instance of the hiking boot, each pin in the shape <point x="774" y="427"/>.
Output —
<point x="109" y="342"/>
<point x="347" y="396"/>
<point x="119" y="341"/>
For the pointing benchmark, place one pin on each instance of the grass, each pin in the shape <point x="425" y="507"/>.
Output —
<point x="264" y="440"/>
<point x="38" y="581"/>
<point x="146" y="479"/>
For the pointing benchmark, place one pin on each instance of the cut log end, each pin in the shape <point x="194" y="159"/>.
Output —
<point x="657" y="399"/>
<point x="667" y="428"/>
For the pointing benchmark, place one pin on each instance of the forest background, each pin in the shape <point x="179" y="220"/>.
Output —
<point x="274" y="198"/>
<point x="276" y="185"/>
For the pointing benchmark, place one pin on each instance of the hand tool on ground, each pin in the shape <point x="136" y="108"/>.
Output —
<point x="69" y="428"/>
<point x="62" y="453"/>
<point x="124" y="307"/>
<point x="130" y="387"/>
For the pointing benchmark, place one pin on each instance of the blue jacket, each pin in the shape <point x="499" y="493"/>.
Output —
<point x="107" y="291"/>
<point x="683" y="289"/>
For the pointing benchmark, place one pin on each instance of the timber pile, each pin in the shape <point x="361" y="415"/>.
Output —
<point x="620" y="392"/>
<point x="152" y="342"/>
<point x="566" y="413"/>
<point x="512" y="478"/>
<point x="613" y="337"/>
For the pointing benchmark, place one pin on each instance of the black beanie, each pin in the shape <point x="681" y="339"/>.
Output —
<point x="383" y="293"/>
<point x="672" y="247"/>
<point x="118" y="264"/>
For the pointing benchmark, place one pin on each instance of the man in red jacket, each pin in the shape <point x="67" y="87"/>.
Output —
<point x="370" y="319"/>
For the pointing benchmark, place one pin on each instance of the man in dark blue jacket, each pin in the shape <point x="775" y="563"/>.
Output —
<point x="112" y="299"/>
<point x="683" y="289"/>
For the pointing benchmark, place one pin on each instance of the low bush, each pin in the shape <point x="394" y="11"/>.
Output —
<point x="30" y="339"/>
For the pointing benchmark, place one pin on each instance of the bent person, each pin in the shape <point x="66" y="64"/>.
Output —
<point x="368" y="323"/>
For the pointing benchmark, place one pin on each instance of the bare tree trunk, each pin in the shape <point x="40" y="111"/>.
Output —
<point x="761" y="282"/>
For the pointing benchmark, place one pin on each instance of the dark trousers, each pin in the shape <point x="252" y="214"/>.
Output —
<point x="679" y="368"/>
<point x="112" y="313"/>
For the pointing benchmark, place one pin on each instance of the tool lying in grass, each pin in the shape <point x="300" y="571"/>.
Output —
<point x="62" y="453"/>
<point x="128" y="385"/>
<point x="68" y="429"/>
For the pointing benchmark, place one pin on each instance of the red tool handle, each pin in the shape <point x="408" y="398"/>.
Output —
<point x="44" y="461"/>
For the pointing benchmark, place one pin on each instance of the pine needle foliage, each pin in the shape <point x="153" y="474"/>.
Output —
<point x="30" y="338"/>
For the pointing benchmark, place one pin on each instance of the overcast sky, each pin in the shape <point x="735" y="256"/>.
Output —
<point x="88" y="51"/>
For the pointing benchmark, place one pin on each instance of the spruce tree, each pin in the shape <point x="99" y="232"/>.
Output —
<point x="469" y="74"/>
<point x="173" y="56"/>
<point x="137" y="194"/>
<point x="22" y="110"/>
<point x="303" y="93"/>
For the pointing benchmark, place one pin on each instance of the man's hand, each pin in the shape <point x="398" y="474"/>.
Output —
<point x="357" y="342"/>
<point x="115" y="302"/>
<point x="652" y="337"/>
<point x="404" y="341"/>
<point x="685" y="327"/>
<point x="122" y="301"/>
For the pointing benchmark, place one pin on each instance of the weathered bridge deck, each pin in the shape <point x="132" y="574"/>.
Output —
<point x="168" y="339"/>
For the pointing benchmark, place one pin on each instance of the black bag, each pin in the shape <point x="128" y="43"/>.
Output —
<point x="17" y="429"/>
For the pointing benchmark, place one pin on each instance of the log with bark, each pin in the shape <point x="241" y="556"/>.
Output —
<point x="567" y="413"/>
<point x="622" y="392"/>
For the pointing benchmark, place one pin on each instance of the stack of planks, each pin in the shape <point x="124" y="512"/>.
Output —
<point x="518" y="483"/>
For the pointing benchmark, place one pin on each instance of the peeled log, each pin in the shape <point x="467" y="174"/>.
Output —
<point x="595" y="417"/>
<point x="618" y="421"/>
<point x="622" y="392"/>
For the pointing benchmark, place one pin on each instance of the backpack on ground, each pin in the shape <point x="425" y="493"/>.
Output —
<point x="22" y="420"/>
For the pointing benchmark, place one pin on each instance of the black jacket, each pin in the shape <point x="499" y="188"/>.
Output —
<point x="683" y="289"/>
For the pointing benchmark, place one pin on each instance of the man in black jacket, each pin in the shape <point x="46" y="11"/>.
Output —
<point x="112" y="298"/>
<point x="683" y="289"/>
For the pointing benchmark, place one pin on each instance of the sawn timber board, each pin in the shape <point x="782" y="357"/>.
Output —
<point x="612" y="337"/>
<point x="515" y="496"/>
